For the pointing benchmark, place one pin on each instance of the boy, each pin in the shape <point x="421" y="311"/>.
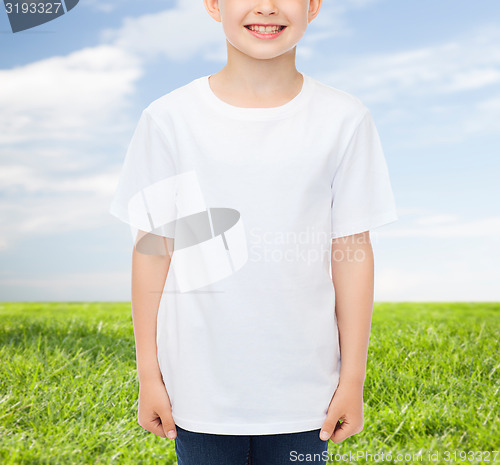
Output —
<point x="263" y="180"/>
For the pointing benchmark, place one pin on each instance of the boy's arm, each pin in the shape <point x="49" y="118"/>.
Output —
<point x="150" y="264"/>
<point x="353" y="280"/>
<point x="149" y="273"/>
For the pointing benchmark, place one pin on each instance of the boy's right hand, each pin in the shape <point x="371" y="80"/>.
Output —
<point x="155" y="413"/>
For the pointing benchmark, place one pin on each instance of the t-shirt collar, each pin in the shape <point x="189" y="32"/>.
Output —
<point x="254" y="113"/>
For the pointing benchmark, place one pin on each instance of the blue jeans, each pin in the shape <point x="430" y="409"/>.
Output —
<point x="268" y="449"/>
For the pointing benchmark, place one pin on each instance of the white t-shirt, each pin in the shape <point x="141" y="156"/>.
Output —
<point x="247" y="333"/>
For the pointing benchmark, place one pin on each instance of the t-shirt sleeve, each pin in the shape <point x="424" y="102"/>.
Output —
<point x="145" y="197"/>
<point x="362" y="197"/>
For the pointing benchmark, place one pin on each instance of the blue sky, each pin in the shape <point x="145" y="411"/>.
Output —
<point x="72" y="90"/>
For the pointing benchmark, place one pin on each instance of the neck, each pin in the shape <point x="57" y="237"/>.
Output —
<point x="260" y="77"/>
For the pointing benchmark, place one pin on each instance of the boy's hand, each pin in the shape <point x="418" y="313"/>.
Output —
<point x="346" y="405"/>
<point x="155" y="412"/>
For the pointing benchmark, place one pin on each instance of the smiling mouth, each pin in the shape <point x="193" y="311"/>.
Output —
<point x="261" y="29"/>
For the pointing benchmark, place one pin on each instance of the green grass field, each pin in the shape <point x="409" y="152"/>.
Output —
<point x="68" y="386"/>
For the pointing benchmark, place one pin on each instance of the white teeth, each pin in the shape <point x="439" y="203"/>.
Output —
<point x="265" y="29"/>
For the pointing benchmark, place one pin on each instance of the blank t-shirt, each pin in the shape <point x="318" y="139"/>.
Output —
<point x="250" y="200"/>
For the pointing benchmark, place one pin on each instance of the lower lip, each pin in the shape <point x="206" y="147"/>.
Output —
<point x="265" y="36"/>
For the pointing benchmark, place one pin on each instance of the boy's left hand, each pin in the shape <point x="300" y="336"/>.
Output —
<point x="347" y="406"/>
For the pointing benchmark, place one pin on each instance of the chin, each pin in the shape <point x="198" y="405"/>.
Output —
<point x="260" y="54"/>
<point x="264" y="56"/>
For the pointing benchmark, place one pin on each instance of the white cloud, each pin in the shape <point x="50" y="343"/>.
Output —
<point x="447" y="227"/>
<point x="436" y="219"/>
<point x="468" y="62"/>
<point x="57" y="209"/>
<point x="440" y="94"/>
<point x="34" y="181"/>
<point x="452" y="282"/>
<point x="179" y="33"/>
<point x="52" y="203"/>
<point x="94" y="285"/>
<point x="67" y="97"/>
<point x="483" y="117"/>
